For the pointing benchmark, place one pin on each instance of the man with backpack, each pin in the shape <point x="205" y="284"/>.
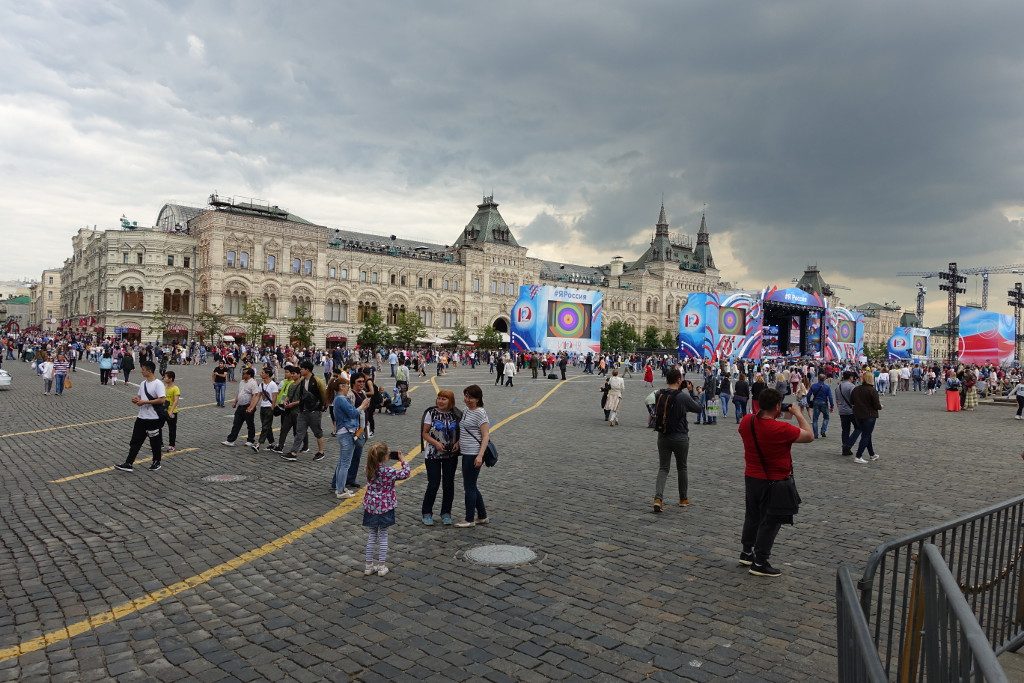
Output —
<point x="312" y="401"/>
<point x="670" y="407"/>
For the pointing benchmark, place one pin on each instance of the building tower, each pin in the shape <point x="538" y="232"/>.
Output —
<point x="703" y="250"/>
<point x="661" y="245"/>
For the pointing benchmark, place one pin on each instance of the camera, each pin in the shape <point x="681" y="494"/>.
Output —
<point x="393" y="455"/>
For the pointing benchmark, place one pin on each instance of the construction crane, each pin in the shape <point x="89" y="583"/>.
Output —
<point x="983" y="271"/>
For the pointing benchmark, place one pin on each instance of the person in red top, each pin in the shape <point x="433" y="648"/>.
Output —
<point x="766" y="450"/>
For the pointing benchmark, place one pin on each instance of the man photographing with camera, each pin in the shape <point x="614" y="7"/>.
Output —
<point x="771" y="497"/>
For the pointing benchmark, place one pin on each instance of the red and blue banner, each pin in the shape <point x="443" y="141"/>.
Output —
<point x="985" y="336"/>
<point x="845" y="334"/>
<point x="910" y="343"/>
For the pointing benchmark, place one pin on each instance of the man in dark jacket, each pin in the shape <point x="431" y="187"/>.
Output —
<point x="671" y="406"/>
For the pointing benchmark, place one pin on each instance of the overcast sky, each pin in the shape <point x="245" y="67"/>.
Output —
<point x="866" y="137"/>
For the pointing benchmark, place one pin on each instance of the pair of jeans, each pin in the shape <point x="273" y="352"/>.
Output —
<point x="820" y="409"/>
<point x="145" y="428"/>
<point x="759" y="531"/>
<point x="847" y="422"/>
<point x="740" y="402"/>
<point x="172" y="428"/>
<point x="127" y="374"/>
<point x="243" y="416"/>
<point x="1020" y="405"/>
<point x="219" y="389"/>
<point x="440" y="473"/>
<point x="866" y="426"/>
<point x="353" y="469"/>
<point x="346" y="447"/>
<point x="266" y="425"/>
<point x="58" y="381"/>
<point x="677" y="445"/>
<point x="724" y="398"/>
<point x="474" y="499"/>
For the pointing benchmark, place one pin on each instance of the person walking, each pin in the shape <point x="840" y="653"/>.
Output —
<point x="866" y="405"/>
<point x="245" y="405"/>
<point x="670" y="408"/>
<point x="439" y="433"/>
<point x="45" y="369"/>
<point x="615" y="387"/>
<point x="768" y="458"/>
<point x="268" y="397"/>
<point x="60" y="373"/>
<point x="379" y="504"/>
<point x="822" y="403"/>
<point x="148" y="424"/>
<point x="127" y="364"/>
<point x="844" y="399"/>
<point x="173" y="393"/>
<point x="474" y="435"/>
<point x="288" y="401"/>
<point x="756" y="388"/>
<point x="106" y="363"/>
<point x="740" y="396"/>
<point x="724" y="392"/>
<point x="310" y="410"/>
<point x="510" y="371"/>
<point x="1018" y="393"/>
<point x="220" y="383"/>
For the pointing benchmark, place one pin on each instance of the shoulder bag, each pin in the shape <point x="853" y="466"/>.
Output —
<point x="160" y="408"/>
<point x="491" y="452"/>
<point x="780" y="498"/>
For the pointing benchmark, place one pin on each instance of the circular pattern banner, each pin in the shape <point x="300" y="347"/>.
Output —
<point x="569" y="320"/>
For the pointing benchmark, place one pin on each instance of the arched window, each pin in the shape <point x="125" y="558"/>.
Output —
<point x="231" y="259"/>
<point x="243" y="260"/>
<point x="308" y="267"/>
<point x="271" y="263"/>
<point x="270" y="304"/>
<point x="296" y="265"/>
<point x="131" y="299"/>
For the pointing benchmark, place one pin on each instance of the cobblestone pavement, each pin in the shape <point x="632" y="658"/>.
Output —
<point x="618" y="593"/>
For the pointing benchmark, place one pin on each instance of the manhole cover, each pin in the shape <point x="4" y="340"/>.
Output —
<point x="225" y="478"/>
<point x="500" y="555"/>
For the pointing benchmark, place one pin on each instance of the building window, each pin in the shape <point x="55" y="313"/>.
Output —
<point x="393" y="277"/>
<point x="335" y="310"/>
<point x="494" y="287"/>
<point x="362" y="276"/>
<point x="308" y="267"/>
<point x="243" y="260"/>
<point x="271" y="263"/>
<point x="419" y="282"/>
<point x="187" y="261"/>
<point x="476" y="285"/>
<point x="131" y="299"/>
<point x="138" y="258"/>
<point x="235" y="302"/>
<point x="176" y="301"/>
<point x="332" y="272"/>
<point x="231" y="259"/>
<point x="430" y="283"/>
<point x="455" y="285"/>
<point x="403" y="280"/>
<point x="170" y="260"/>
<point x="394" y="311"/>
<point x="51" y="279"/>
<point x="49" y="296"/>
<point x="373" y="277"/>
<point x="344" y="273"/>
<point x="444" y="285"/>
<point x="270" y="304"/>
<point x="296" y="265"/>
<point x="124" y="257"/>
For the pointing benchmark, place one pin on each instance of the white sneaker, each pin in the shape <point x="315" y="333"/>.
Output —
<point x="344" y="494"/>
<point x="464" y="525"/>
<point x="249" y="444"/>
<point x="1016" y="417"/>
<point x="875" y="456"/>
<point x="370" y="569"/>
<point x="860" y="461"/>
<point x="382" y="570"/>
<point x="228" y="443"/>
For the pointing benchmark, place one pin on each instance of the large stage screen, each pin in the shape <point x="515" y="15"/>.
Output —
<point x="547" y="318"/>
<point x="985" y="336"/>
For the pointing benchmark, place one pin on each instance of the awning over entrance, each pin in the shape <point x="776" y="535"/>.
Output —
<point x="337" y="337"/>
<point x="235" y="331"/>
<point x="176" y="329"/>
<point x="131" y="327"/>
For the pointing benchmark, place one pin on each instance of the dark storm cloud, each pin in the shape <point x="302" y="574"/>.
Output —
<point x="884" y="133"/>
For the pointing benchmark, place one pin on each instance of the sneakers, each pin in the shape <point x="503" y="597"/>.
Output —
<point x="318" y="456"/>
<point x="484" y="520"/>
<point x="227" y="443"/>
<point x="255" y="447"/>
<point x="658" y="505"/>
<point x="155" y="466"/>
<point x="305" y="449"/>
<point x="823" y="435"/>
<point x="764" y="569"/>
<point x="290" y="457"/>
<point x="370" y="569"/>
<point x="875" y="457"/>
<point x="684" y="502"/>
<point x="860" y="461"/>
<point x="250" y="444"/>
<point x="344" y="493"/>
<point x="369" y="434"/>
<point x="847" y="451"/>
<point x="382" y="570"/>
<point x="1016" y="417"/>
<point x="125" y="467"/>
<point x="746" y="558"/>
<point x="464" y="525"/>
<point x="446" y="520"/>
<point x="428" y="520"/>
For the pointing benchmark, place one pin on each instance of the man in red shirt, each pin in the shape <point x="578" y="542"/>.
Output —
<point x="766" y="451"/>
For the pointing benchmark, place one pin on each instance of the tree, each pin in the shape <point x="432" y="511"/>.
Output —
<point x="619" y="336"/>
<point x="410" y="328"/>
<point x="211" y="322"/>
<point x="161" y="320"/>
<point x="458" y="335"/>
<point x="488" y="338"/>
<point x="669" y="340"/>
<point x="374" y="333"/>
<point x="255" y="320"/>
<point x="651" y="337"/>
<point x="302" y="326"/>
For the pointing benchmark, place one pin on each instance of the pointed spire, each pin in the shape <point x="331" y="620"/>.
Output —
<point x="662" y="219"/>
<point x="703" y="224"/>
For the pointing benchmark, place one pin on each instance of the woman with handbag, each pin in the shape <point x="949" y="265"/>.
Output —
<point x="771" y="496"/>
<point x="474" y="435"/>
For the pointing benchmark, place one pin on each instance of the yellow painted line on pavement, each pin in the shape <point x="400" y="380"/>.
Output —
<point x="94" y="422"/>
<point x="83" y="475"/>
<point x="117" y="612"/>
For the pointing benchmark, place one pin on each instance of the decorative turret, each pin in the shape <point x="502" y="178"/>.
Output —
<point x="486" y="226"/>
<point x="702" y="252"/>
<point x="661" y="245"/>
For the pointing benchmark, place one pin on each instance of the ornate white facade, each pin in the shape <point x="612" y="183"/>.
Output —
<point x="235" y="251"/>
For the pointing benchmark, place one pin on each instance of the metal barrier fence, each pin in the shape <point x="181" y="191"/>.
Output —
<point x="955" y="647"/>
<point x="858" y="658"/>
<point x="983" y="551"/>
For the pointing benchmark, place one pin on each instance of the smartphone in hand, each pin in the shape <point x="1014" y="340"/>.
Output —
<point x="393" y="455"/>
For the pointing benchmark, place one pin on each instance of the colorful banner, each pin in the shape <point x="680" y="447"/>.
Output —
<point x="985" y="336"/>
<point x="720" y="325"/>
<point x="910" y="343"/>
<point x="547" y="318"/>
<point x="845" y="334"/>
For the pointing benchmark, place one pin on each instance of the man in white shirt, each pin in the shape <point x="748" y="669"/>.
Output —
<point x="905" y="378"/>
<point x="245" y="404"/>
<point x="268" y="396"/>
<point x="393" y="361"/>
<point x="151" y="396"/>
<point x="894" y="380"/>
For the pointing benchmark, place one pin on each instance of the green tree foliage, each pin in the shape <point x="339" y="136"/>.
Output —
<point x="302" y="326"/>
<point x="211" y="322"/>
<point x="459" y="334"/>
<point x="488" y="338"/>
<point x="409" y="329"/>
<point x="619" y="336"/>
<point x="652" y="339"/>
<point x="255" y="321"/>
<point x="669" y="340"/>
<point x="374" y="333"/>
<point x="161" y="320"/>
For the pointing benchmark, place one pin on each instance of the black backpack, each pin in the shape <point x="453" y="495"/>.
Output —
<point x="666" y="410"/>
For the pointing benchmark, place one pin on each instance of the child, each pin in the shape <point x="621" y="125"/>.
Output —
<point x="173" y="396"/>
<point x="379" y="503"/>
<point x="115" y="368"/>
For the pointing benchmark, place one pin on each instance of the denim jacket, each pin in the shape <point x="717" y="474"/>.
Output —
<point x="346" y="415"/>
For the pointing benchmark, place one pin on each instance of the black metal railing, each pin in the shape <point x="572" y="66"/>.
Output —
<point x="954" y="644"/>
<point x="858" y="658"/>
<point x="983" y="551"/>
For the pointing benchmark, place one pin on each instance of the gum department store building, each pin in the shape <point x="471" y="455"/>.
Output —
<point x="234" y="251"/>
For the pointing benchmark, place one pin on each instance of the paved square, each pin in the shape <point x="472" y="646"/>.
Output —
<point x="618" y="593"/>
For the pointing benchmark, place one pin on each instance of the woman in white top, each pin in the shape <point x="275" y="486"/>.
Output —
<point x="616" y="384"/>
<point x="46" y="370"/>
<point x="509" y="372"/>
